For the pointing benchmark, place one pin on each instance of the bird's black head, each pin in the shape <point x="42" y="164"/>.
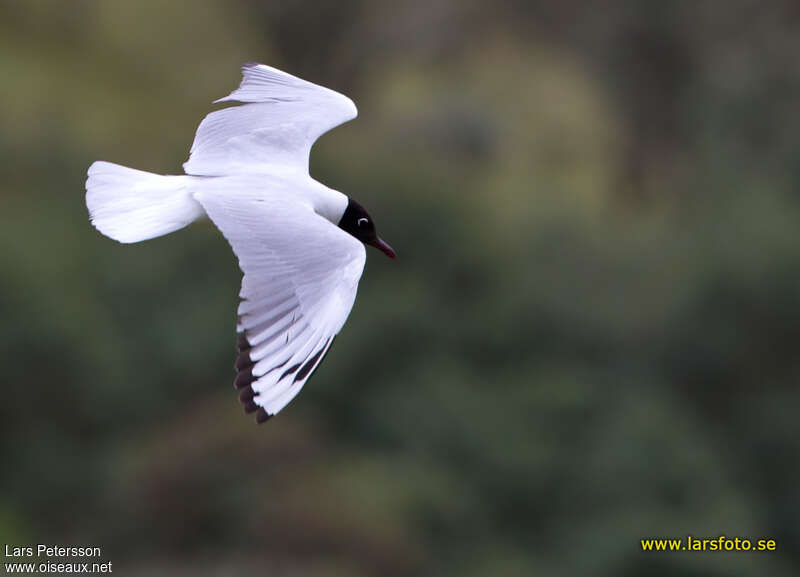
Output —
<point x="358" y="223"/>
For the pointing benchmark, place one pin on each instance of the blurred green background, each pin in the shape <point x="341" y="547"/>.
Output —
<point x="589" y="336"/>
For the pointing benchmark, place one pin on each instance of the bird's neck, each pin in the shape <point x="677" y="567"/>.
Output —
<point x="328" y="203"/>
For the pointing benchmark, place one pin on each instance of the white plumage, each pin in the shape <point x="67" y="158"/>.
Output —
<point x="274" y="131"/>
<point x="248" y="171"/>
<point x="132" y="205"/>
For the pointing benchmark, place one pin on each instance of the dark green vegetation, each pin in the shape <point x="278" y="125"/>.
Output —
<point x="588" y="338"/>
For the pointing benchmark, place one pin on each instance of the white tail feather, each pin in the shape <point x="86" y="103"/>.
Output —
<point x="131" y="205"/>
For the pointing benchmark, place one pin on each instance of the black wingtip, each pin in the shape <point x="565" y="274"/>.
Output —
<point x="244" y="378"/>
<point x="242" y="344"/>
<point x="262" y="416"/>
<point x="243" y="361"/>
<point x="246" y="394"/>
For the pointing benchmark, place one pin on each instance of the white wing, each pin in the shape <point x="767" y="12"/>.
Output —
<point x="276" y="129"/>
<point x="300" y="278"/>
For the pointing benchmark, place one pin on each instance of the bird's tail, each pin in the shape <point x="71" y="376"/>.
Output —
<point x="131" y="205"/>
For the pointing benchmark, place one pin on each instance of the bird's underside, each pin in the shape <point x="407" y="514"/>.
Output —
<point x="299" y="285"/>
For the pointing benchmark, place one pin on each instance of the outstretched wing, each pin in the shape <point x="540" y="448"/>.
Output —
<point x="300" y="279"/>
<point x="275" y="129"/>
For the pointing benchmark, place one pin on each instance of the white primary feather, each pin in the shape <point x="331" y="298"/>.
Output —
<point x="274" y="130"/>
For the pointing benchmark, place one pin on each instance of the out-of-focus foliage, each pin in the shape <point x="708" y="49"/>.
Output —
<point x="588" y="337"/>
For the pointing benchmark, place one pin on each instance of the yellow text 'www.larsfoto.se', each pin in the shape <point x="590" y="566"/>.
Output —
<point x="721" y="543"/>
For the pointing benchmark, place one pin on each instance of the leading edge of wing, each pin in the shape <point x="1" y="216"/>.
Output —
<point x="262" y="83"/>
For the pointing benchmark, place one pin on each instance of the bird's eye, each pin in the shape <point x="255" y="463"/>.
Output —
<point x="362" y="222"/>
